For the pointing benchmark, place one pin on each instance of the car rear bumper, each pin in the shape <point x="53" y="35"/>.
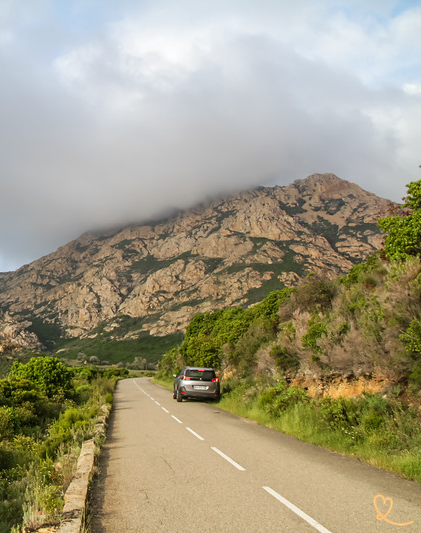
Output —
<point x="191" y="393"/>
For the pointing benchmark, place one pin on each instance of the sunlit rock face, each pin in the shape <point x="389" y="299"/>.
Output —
<point x="229" y="252"/>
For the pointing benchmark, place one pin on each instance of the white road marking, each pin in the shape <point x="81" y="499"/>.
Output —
<point x="139" y="387"/>
<point x="270" y="491"/>
<point x="297" y="511"/>
<point x="222" y="454"/>
<point x="195" y="434"/>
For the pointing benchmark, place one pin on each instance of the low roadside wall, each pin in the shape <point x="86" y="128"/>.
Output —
<point x="73" y="515"/>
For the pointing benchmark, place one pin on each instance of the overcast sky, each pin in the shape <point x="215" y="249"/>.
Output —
<point x="114" y="111"/>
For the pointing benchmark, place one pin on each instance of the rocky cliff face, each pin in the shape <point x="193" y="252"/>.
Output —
<point x="229" y="252"/>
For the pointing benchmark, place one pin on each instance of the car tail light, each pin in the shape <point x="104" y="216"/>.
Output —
<point x="215" y="379"/>
<point x="186" y="377"/>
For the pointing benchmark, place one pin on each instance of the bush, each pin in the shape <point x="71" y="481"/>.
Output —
<point x="260" y="332"/>
<point x="48" y="374"/>
<point x="334" y="413"/>
<point x="277" y="399"/>
<point x="412" y="337"/>
<point x="315" y="332"/>
<point x="86" y="373"/>
<point x="83" y="393"/>
<point x="41" y="425"/>
<point x="404" y="227"/>
<point x="115" y="373"/>
<point x="170" y="364"/>
<point x="315" y="295"/>
<point x="283" y="359"/>
<point x="371" y="270"/>
<point x="7" y="422"/>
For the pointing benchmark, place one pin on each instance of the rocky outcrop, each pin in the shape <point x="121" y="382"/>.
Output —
<point x="14" y="335"/>
<point x="228" y="252"/>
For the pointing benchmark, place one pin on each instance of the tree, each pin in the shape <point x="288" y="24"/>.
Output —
<point x="404" y="229"/>
<point x="49" y="375"/>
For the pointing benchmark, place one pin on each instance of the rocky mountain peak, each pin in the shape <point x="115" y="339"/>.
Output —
<point x="228" y="252"/>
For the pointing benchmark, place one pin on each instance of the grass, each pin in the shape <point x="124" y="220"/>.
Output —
<point x="163" y="381"/>
<point x="389" y="438"/>
<point x="115" y="351"/>
<point x="379" y="432"/>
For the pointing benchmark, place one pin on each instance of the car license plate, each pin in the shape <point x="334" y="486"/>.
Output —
<point x="200" y="387"/>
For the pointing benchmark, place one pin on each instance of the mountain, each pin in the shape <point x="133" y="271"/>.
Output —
<point x="148" y="280"/>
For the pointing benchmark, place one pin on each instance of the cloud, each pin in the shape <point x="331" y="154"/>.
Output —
<point x="115" y="115"/>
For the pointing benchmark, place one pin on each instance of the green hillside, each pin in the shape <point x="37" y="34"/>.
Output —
<point x="334" y="362"/>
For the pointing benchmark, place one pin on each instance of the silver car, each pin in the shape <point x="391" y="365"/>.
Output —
<point x="196" y="382"/>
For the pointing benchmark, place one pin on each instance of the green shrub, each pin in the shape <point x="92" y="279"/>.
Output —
<point x="338" y="413"/>
<point x="415" y="377"/>
<point x="403" y="229"/>
<point x="83" y="393"/>
<point x="170" y="364"/>
<point x="259" y="333"/>
<point x="7" y="422"/>
<point x="371" y="319"/>
<point x="42" y="426"/>
<point x="277" y="399"/>
<point x="283" y="359"/>
<point x="86" y="373"/>
<point x="315" y="332"/>
<point x="234" y="330"/>
<point x="412" y="337"/>
<point x="370" y="272"/>
<point x="115" y="373"/>
<point x="48" y="374"/>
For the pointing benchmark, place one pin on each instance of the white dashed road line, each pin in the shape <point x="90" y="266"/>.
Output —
<point x="222" y="454"/>
<point x="270" y="491"/>
<point x="297" y="511"/>
<point x="139" y="387"/>
<point x="195" y="434"/>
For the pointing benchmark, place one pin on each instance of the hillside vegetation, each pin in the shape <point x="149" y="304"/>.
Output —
<point x="334" y="362"/>
<point x="46" y="412"/>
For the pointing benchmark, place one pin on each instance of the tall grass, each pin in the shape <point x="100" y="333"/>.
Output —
<point x="381" y="432"/>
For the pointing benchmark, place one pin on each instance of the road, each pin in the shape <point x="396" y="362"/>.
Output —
<point x="191" y="467"/>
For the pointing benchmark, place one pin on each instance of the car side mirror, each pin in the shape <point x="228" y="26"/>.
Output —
<point x="174" y="375"/>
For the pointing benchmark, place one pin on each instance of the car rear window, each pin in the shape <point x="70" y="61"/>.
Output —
<point x="203" y="375"/>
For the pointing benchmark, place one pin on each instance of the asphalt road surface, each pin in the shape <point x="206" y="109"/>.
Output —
<point x="191" y="467"/>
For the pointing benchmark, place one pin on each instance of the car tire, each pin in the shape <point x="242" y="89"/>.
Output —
<point x="174" y="394"/>
<point x="179" y="397"/>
